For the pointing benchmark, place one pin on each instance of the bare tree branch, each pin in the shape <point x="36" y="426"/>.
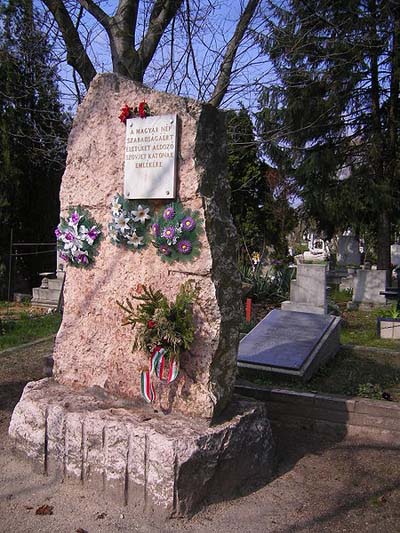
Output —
<point x="76" y="54"/>
<point x="229" y="58"/>
<point x="97" y="13"/>
<point x="162" y="14"/>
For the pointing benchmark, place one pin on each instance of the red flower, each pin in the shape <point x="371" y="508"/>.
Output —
<point x="125" y="113"/>
<point x="151" y="324"/>
<point x="143" y="110"/>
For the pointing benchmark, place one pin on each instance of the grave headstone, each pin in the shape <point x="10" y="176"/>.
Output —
<point x="395" y="254"/>
<point x="367" y="287"/>
<point x="348" y="251"/>
<point x="90" y="422"/>
<point x="308" y="290"/>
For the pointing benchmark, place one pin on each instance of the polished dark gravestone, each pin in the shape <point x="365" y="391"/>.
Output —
<point x="289" y="342"/>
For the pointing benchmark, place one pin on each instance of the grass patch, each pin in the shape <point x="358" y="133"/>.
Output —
<point x="341" y="296"/>
<point x="350" y="373"/>
<point x="26" y="328"/>
<point x="359" y="328"/>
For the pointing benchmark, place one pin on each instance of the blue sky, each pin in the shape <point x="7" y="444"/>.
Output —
<point x="215" y="27"/>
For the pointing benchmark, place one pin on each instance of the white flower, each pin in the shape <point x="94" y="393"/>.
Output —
<point x="122" y="223"/>
<point x="115" y="206"/>
<point x="113" y="234"/>
<point x="141" y="214"/>
<point x="135" y="240"/>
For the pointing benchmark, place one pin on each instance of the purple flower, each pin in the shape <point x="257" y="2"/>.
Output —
<point x="184" y="247"/>
<point x="83" y="258"/>
<point x="169" y="213"/>
<point x="165" y="249"/>
<point x="57" y="232"/>
<point x="188" y="224"/>
<point x="69" y="236"/>
<point x="75" y="217"/>
<point x="63" y="256"/>
<point x="168" y="232"/>
<point x="93" y="233"/>
<point x="155" y="229"/>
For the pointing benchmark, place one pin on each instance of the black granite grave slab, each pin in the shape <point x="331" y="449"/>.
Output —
<point x="290" y="342"/>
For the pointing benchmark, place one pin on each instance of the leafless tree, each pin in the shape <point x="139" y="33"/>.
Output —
<point x="177" y="45"/>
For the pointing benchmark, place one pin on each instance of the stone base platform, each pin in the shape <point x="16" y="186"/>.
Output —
<point x="167" y="463"/>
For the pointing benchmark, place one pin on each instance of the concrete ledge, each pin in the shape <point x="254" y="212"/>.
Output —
<point x="167" y="463"/>
<point x="338" y="416"/>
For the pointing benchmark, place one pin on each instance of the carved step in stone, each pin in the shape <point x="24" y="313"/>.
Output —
<point x="171" y="463"/>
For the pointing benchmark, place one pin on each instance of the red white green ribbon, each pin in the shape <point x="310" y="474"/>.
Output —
<point x="173" y="370"/>
<point x="157" y="366"/>
<point x="157" y="361"/>
<point x="147" y="387"/>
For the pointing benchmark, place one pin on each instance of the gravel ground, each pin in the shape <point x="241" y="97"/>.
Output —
<point x="319" y="485"/>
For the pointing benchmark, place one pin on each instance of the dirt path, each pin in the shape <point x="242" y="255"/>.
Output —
<point x="319" y="485"/>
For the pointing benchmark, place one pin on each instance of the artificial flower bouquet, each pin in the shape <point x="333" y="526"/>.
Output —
<point x="164" y="329"/>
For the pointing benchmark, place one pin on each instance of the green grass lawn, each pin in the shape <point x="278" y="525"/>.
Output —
<point x="350" y="373"/>
<point x="359" y="328"/>
<point x="24" y="327"/>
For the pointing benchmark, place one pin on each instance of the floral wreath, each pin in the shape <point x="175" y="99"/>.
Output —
<point x="78" y="237"/>
<point x="142" y="111"/>
<point x="163" y="328"/>
<point x="175" y="233"/>
<point x="128" y="226"/>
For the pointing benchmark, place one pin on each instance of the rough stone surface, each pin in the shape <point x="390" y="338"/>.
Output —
<point x="92" y="346"/>
<point x="168" y="463"/>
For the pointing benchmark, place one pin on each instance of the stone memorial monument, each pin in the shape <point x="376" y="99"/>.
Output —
<point x="90" y="422"/>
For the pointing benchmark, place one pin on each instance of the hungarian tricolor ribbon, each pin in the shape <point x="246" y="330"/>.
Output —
<point x="173" y="370"/>
<point x="147" y="387"/>
<point x="158" y="362"/>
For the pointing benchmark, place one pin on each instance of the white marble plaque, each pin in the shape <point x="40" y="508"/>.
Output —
<point x="150" y="157"/>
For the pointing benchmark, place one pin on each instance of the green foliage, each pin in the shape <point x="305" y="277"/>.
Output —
<point x="393" y="312"/>
<point x="359" y="328"/>
<point x="331" y="120"/>
<point x="261" y="218"/>
<point x="272" y="286"/>
<point x="33" y="133"/>
<point x="159" y="322"/>
<point x="341" y="296"/>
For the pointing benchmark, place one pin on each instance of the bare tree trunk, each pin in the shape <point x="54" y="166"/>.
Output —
<point x="384" y="241"/>
<point x="391" y="167"/>
<point x="377" y="152"/>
